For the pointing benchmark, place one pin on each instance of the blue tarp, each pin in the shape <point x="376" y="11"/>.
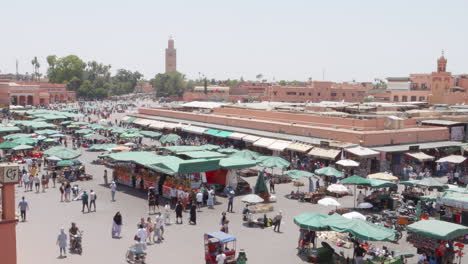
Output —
<point x="223" y="237"/>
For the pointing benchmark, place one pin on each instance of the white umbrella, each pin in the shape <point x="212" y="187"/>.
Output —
<point x="41" y="137"/>
<point x="252" y="198"/>
<point x="365" y="205"/>
<point x="355" y="215"/>
<point x="53" y="158"/>
<point x="456" y="159"/>
<point x="348" y="163"/>
<point x="130" y="144"/>
<point x="327" y="201"/>
<point x="337" y="188"/>
<point x="57" y="135"/>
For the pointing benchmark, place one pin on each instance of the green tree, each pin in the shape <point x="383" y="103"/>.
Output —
<point x="169" y="84"/>
<point x="63" y="70"/>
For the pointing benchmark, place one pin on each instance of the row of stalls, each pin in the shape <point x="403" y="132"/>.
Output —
<point x="169" y="173"/>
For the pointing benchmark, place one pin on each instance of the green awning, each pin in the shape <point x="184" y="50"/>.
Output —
<point x="272" y="162"/>
<point x="129" y="135"/>
<point x="8" y="145"/>
<point x="5" y="129"/>
<point x="17" y="135"/>
<point x="246" y="154"/>
<point x="311" y="221"/>
<point x="438" y="229"/>
<point x="46" y="132"/>
<point x="63" y="153"/>
<point x="227" y="150"/>
<point x="329" y="171"/>
<point x="150" y="134"/>
<point x="211" y="132"/>
<point x="197" y="166"/>
<point x="169" y="138"/>
<point x="355" y="180"/>
<point x="203" y="154"/>
<point x="25" y="141"/>
<point x="296" y="174"/>
<point x="223" y="134"/>
<point x="236" y="163"/>
<point x="360" y="229"/>
<point x="376" y="183"/>
<point x="130" y="120"/>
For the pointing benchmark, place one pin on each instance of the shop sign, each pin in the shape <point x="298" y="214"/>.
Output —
<point x="9" y="173"/>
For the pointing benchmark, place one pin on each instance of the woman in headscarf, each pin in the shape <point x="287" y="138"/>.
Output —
<point x="193" y="214"/>
<point x="117" y="225"/>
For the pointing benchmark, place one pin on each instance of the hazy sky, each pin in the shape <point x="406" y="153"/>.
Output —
<point x="282" y="39"/>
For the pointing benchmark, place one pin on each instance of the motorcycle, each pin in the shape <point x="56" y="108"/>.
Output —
<point x="75" y="243"/>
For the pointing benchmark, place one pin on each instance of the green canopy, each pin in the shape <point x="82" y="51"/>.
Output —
<point x="22" y="147"/>
<point x="430" y="182"/>
<point x="260" y="185"/>
<point x="49" y="140"/>
<point x="203" y="154"/>
<point x="355" y="180"/>
<point x="197" y="166"/>
<point x="179" y="149"/>
<point x="246" y="154"/>
<point x="130" y="135"/>
<point x="17" y="135"/>
<point x="169" y="138"/>
<point x="65" y="163"/>
<point x="228" y="150"/>
<point x="236" y="163"/>
<point x="150" y="134"/>
<point x="41" y="125"/>
<point x="409" y="183"/>
<point x="62" y="153"/>
<point x="95" y="137"/>
<point x="438" y="229"/>
<point x="96" y="126"/>
<point x="6" y="129"/>
<point x="46" y="132"/>
<point x="8" y="145"/>
<point x="311" y="221"/>
<point x="83" y="131"/>
<point x="25" y="141"/>
<point x="296" y="174"/>
<point x="376" y="183"/>
<point x="272" y="162"/>
<point x="223" y="134"/>
<point x="101" y="147"/>
<point x="211" y="132"/>
<point x="329" y="171"/>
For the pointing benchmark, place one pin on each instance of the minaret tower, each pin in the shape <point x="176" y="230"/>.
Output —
<point x="171" y="56"/>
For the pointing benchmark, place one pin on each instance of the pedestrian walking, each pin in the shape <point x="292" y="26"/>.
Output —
<point x="277" y="221"/>
<point x="167" y="213"/>
<point x="117" y="225"/>
<point x="26" y="181"/>
<point x="178" y="210"/>
<point x="141" y="234"/>
<point x="193" y="215"/>
<point x="62" y="191"/>
<point x="105" y="178"/>
<point x="62" y="243"/>
<point x="54" y="177"/>
<point x="37" y="183"/>
<point x="272" y="184"/>
<point x="225" y="227"/>
<point x="23" y="206"/>
<point x="161" y="223"/>
<point x="92" y="200"/>
<point x="230" y="202"/>
<point x="67" y="191"/>
<point x="149" y="229"/>
<point x="84" y="200"/>
<point x="199" y="197"/>
<point x="157" y="229"/>
<point x="43" y="182"/>
<point x="113" y="188"/>
<point x="210" y="201"/>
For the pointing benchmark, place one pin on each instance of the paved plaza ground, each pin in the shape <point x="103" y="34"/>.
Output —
<point x="36" y="238"/>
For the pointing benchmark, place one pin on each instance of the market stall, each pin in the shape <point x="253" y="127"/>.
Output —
<point x="437" y="239"/>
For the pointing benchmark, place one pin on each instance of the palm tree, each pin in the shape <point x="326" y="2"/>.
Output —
<point x="36" y="66"/>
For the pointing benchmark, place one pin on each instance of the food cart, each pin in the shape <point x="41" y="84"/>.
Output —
<point x="217" y="242"/>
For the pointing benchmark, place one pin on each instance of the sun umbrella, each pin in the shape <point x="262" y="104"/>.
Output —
<point x="355" y="180"/>
<point x="8" y="145"/>
<point x="272" y="162"/>
<point x="337" y="188"/>
<point x="456" y="159"/>
<point x="17" y="135"/>
<point x="348" y="163"/>
<point x="327" y="201"/>
<point x="312" y="221"/>
<point x="382" y="176"/>
<point x="57" y="135"/>
<point x="63" y="153"/>
<point x="130" y="135"/>
<point x="329" y="171"/>
<point x="65" y="163"/>
<point x="246" y="154"/>
<point x="296" y="174"/>
<point x="252" y="198"/>
<point x="365" y="205"/>
<point x="355" y="215"/>
<point x="22" y="147"/>
<point x="169" y="138"/>
<point x="53" y="158"/>
<point x="25" y="141"/>
<point x="260" y="185"/>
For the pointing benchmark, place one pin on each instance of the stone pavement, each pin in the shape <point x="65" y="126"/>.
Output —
<point x="183" y="243"/>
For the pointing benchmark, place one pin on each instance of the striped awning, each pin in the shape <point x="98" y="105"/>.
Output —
<point x="322" y="153"/>
<point x="299" y="147"/>
<point x="279" y="145"/>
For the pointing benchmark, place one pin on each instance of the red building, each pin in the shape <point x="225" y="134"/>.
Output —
<point x="33" y="93"/>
